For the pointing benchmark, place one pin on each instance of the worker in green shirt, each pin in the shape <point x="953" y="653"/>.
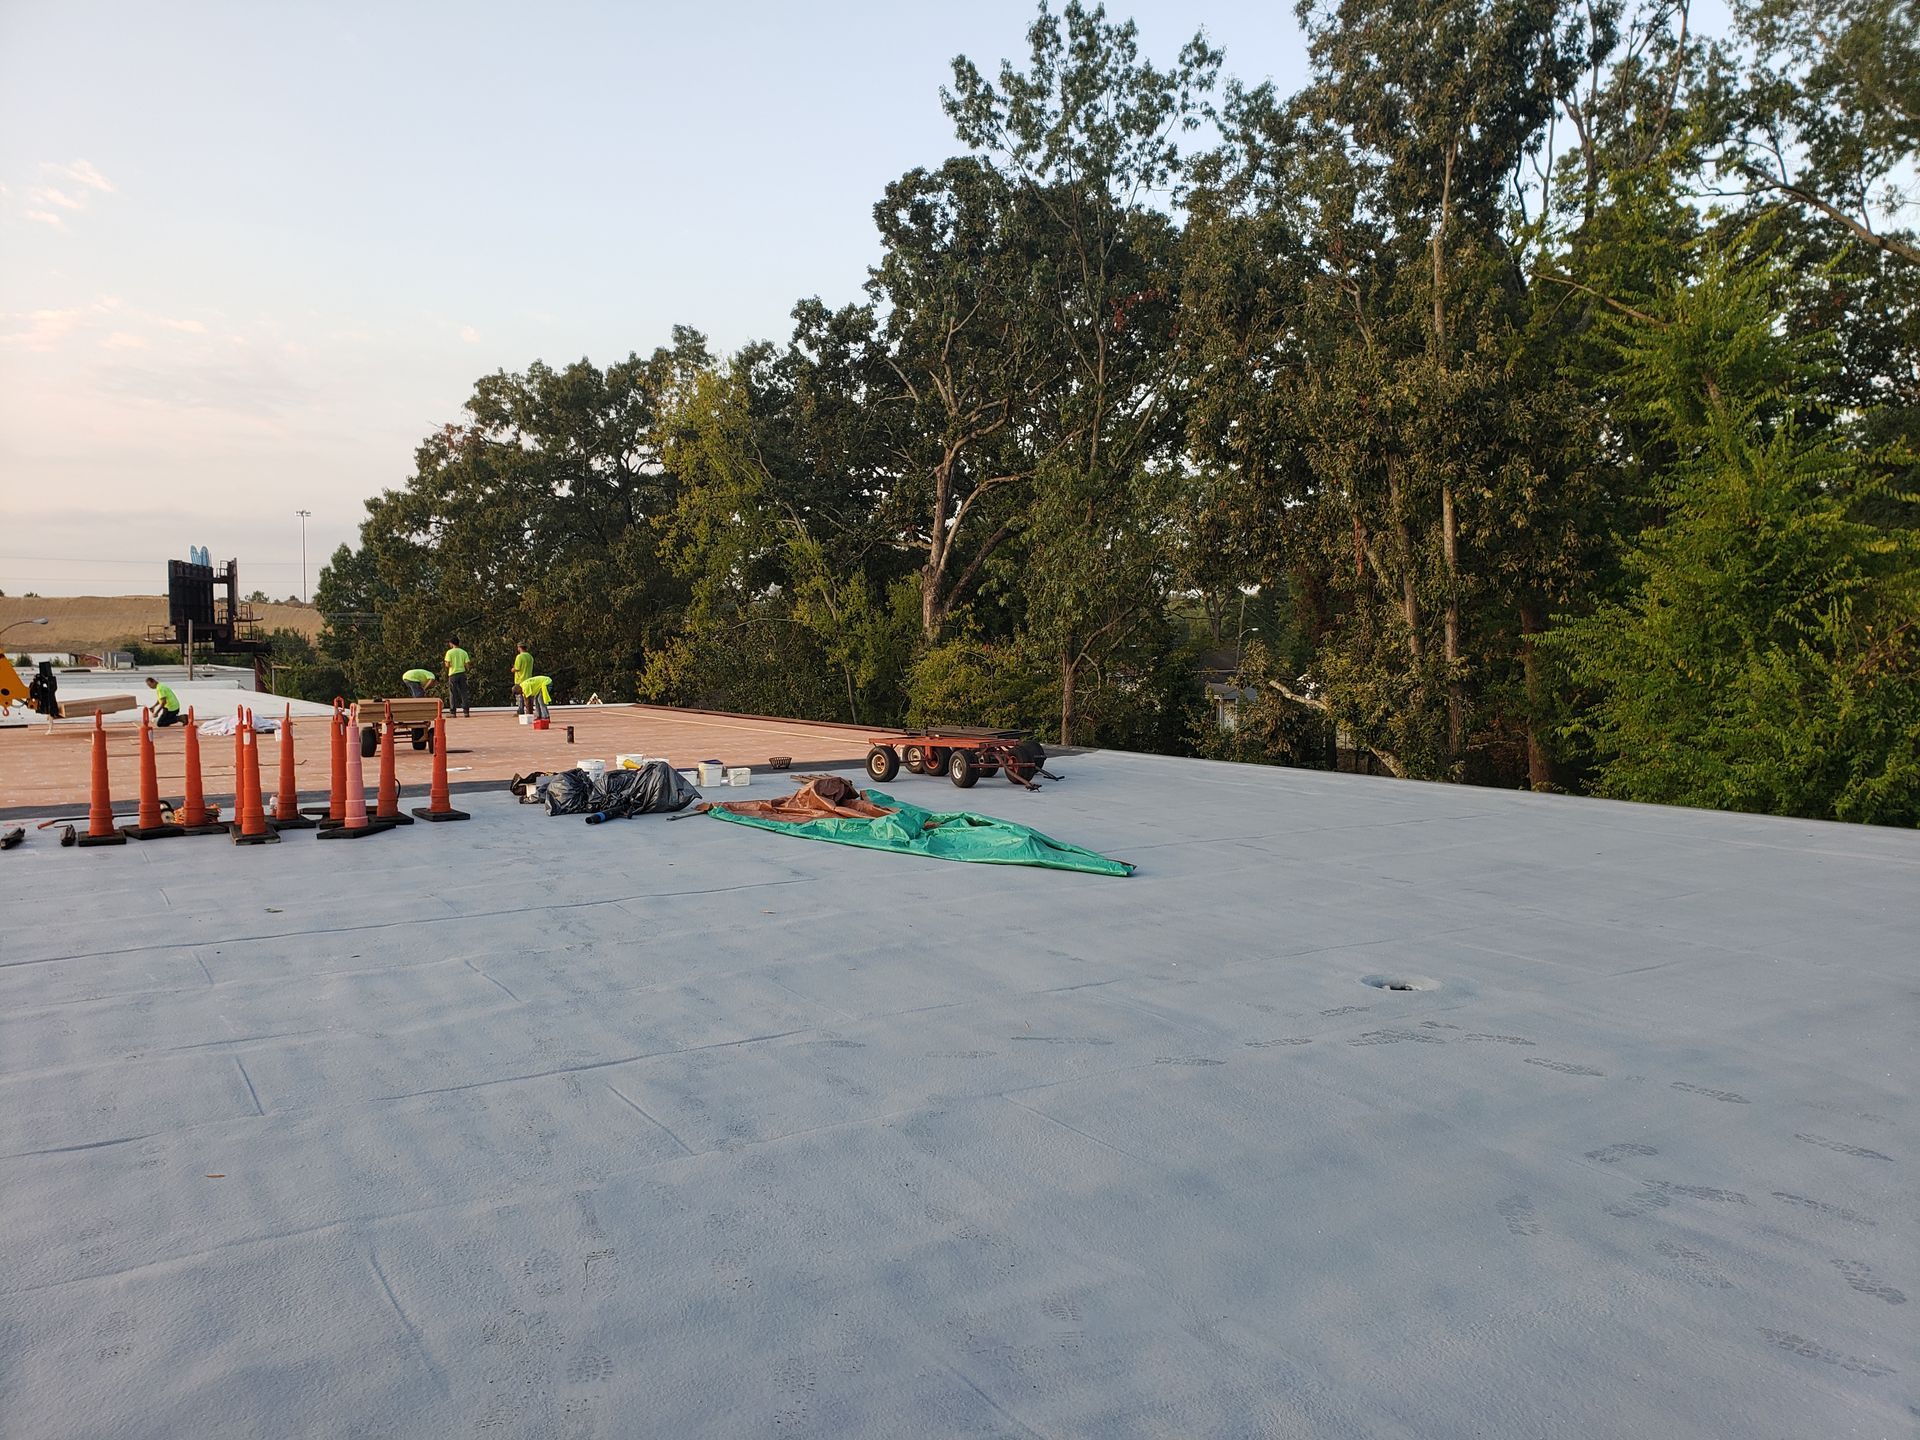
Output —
<point x="419" y="681"/>
<point x="456" y="661"/>
<point x="522" y="670"/>
<point x="538" y="690"/>
<point x="166" y="704"/>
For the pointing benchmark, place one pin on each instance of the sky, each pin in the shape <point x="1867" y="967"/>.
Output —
<point x="250" y="254"/>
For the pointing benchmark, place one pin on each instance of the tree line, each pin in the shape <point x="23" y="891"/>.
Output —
<point x="1530" y="400"/>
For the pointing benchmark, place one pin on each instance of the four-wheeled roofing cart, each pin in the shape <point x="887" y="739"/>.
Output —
<point x="962" y="754"/>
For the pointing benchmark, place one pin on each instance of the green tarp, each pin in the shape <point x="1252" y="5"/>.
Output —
<point x="940" y="835"/>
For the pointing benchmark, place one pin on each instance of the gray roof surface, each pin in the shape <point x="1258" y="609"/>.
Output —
<point x="520" y="1127"/>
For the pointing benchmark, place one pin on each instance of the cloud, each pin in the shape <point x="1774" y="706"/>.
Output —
<point x="80" y="181"/>
<point x="81" y="172"/>
<point x="469" y="334"/>
<point x="39" y="329"/>
<point x="123" y="340"/>
<point x="191" y="327"/>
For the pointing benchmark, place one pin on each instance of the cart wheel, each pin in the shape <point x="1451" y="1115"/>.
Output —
<point x="419" y="739"/>
<point x="934" y="762"/>
<point x="369" y="740"/>
<point x="913" y="760"/>
<point x="882" y="763"/>
<point x="1015" y="775"/>
<point x="986" y="768"/>
<point x="960" y="770"/>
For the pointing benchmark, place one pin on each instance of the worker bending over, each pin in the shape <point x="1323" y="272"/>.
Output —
<point x="522" y="672"/>
<point x="166" y="704"/>
<point x="419" y="681"/>
<point x="456" y="661"/>
<point x="538" y="690"/>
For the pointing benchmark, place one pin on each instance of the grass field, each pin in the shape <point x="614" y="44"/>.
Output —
<point x="93" y="622"/>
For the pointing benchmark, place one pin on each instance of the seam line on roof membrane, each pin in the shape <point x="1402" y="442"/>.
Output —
<point x="407" y="1324"/>
<point x="991" y="1403"/>
<point x="647" y="1115"/>
<point x="461" y="918"/>
<point x="1052" y="1120"/>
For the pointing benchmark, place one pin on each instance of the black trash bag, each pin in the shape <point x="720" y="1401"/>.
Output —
<point x="655" y="788"/>
<point x="566" y="792"/>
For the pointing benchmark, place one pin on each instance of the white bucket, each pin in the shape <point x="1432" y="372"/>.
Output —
<point x="595" y="768"/>
<point x="525" y="719"/>
<point x="691" y="777"/>
<point x="629" y="762"/>
<point x="739" y="775"/>
<point x="712" y="772"/>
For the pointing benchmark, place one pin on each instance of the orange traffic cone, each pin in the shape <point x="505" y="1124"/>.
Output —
<point x="100" y="829"/>
<point x="388" y="804"/>
<point x="193" y="817"/>
<point x="252" y="827"/>
<point x="356" y="825"/>
<point x="286" y="810"/>
<point x="337" y="793"/>
<point x="439" y="799"/>
<point x="149" y="826"/>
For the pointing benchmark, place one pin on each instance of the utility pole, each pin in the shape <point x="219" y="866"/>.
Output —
<point x="306" y="593"/>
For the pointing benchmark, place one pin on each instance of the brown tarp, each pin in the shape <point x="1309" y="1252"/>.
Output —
<point x="823" y="797"/>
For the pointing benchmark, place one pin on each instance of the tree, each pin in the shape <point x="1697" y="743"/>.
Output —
<point x="532" y="521"/>
<point x="1768" y="657"/>
<point x="1088" y="138"/>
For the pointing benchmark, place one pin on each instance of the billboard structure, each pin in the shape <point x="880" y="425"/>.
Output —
<point x="197" y="615"/>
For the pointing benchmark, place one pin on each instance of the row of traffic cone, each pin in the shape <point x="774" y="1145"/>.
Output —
<point x="347" y="816"/>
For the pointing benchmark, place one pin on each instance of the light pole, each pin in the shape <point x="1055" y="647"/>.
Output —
<point x="303" y="514"/>
<point x="40" y="620"/>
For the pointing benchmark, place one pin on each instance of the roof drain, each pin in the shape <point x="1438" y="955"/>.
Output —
<point x="1400" y="982"/>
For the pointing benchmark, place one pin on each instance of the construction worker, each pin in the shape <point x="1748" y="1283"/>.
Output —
<point x="456" y="661"/>
<point x="538" y="690"/>
<point x="419" y="681"/>
<point x="522" y="670"/>
<point x="166" y="704"/>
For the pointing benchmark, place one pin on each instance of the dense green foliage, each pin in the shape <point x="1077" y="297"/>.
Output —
<point x="1530" y="400"/>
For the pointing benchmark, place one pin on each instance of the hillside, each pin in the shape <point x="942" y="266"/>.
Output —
<point x="91" y="622"/>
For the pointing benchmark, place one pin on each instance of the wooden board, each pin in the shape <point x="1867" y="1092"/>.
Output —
<point x="96" y="705"/>
<point x="408" y="712"/>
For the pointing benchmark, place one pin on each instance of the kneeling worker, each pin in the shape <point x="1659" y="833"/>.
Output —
<point x="166" y="704"/>
<point x="539" y="691"/>
<point x="418" y="681"/>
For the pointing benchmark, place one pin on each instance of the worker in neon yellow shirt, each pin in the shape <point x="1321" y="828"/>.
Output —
<point x="456" y="661"/>
<point x="539" y="690"/>
<point x="522" y="671"/>
<point x="419" y="681"/>
<point x="166" y="704"/>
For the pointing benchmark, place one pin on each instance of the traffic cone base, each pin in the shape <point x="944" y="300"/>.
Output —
<point x="212" y="827"/>
<point x="116" y="838"/>
<point x="150" y="832"/>
<point x="344" y="832"/>
<point x="422" y="813"/>
<point x="265" y="837"/>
